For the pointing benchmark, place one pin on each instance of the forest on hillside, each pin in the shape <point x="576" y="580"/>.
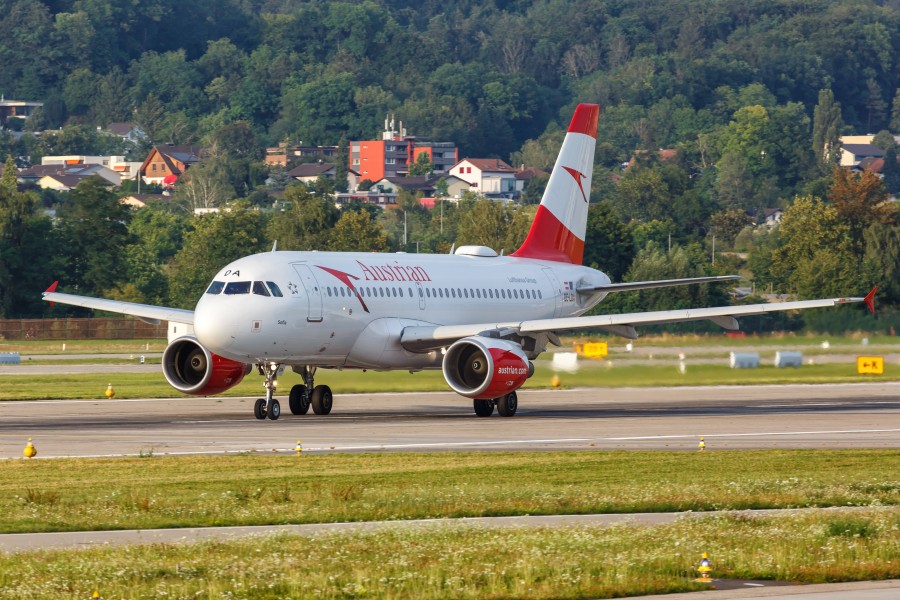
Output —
<point x="751" y="94"/>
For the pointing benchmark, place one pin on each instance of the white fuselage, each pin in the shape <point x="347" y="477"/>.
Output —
<point x="347" y="310"/>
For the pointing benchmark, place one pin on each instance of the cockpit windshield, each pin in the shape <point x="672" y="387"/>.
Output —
<point x="237" y="287"/>
<point x="260" y="288"/>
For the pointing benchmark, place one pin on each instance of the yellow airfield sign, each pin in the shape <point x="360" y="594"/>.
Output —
<point x="870" y="365"/>
<point x="593" y="349"/>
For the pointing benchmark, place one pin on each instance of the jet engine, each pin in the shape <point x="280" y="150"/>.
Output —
<point x="482" y="368"/>
<point x="192" y="369"/>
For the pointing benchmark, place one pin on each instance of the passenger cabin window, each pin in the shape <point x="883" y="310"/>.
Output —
<point x="276" y="291"/>
<point x="215" y="287"/>
<point x="237" y="287"/>
<point x="259" y="288"/>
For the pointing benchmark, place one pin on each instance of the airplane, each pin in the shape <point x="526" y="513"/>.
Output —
<point x="480" y="317"/>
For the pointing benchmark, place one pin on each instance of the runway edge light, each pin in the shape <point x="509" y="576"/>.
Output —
<point x="110" y="392"/>
<point x="702" y="445"/>
<point x="705" y="569"/>
<point x="30" y="451"/>
<point x="299" y="448"/>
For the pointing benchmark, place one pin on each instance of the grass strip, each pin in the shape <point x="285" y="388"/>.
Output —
<point x="467" y="562"/>
<point x="191" y="491"/>
<point x="153" y="384"/>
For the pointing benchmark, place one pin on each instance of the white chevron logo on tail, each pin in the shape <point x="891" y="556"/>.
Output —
<point x="559" y="227"/>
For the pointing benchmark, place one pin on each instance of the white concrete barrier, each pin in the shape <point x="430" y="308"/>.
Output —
<point x="788" y="358"/>
<point x="744" y="360"/>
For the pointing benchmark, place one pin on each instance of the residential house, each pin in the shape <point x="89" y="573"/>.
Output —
<point x="772" y="217"/>
<point x="392" y="155"/>
<point x="165" y="164"/>
<point x="126" y="130"/>
<point x="489" y="177"/>
<point x="283" y="155"/>
<point x="16" y="109"/>
<point x="417" y="185"/>
<point x="67" y="181"/>
<point x="310" y="172"/>
<point x="125" y="169"/>
<point x="853" y="154"/>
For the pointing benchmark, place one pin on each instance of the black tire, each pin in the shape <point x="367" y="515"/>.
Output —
<point x="298" y="401"/>
<point x="259" y="409"/>
<point x="484" y="408"/>
<point x="322" y="400"/>
<point x="507" y="405"/>
<point x="274" y="410"/>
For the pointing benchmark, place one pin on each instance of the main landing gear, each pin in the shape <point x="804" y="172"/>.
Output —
<point x="506" y="405"/>
<point x="301" y="397"/>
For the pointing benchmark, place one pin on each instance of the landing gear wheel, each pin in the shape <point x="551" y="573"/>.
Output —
<point x="298" y="400"/>
<point x="507" y="405"/>
<point x="274" y="410"/>
<point x="321" y="400"/>
<point x="484" y="408"/>
<point x="259" y="409"/>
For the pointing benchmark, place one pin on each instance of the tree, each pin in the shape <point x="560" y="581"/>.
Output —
<point x="827" y="124"/>
<point x="355" y="231"/>
<point x="895" y="112"/>
<point x="307" y="224"/>
<point x="422" y="166"/>
<point x="204" y="186"/>
<point x="608" y="245"/>
<point x="490" y="223"/>
<point x="216" y="240"/>
<point x="342" y="167"/>
<point x="814" y="257"/>
<point x="891" y="172"/>
<point x="93" y="230"/>
<point x="859" y="200"/>
<point x="729" y="223"/>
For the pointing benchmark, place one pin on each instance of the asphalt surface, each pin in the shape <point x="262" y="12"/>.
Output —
<point x="729" y="417"/>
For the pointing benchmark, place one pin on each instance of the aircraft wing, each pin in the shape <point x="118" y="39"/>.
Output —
<point x="646" y="285"/>
<point x="423" y="338"/>
<point x="145" y="312"/>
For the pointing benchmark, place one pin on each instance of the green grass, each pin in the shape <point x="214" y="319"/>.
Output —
<point x="82" y="346"/>
<point x="599" y="374"/>
<point x="468" y="562"/>
<point x="156" y="492"/>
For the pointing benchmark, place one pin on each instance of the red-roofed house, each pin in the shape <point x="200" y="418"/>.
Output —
<point x="165" y="161"/>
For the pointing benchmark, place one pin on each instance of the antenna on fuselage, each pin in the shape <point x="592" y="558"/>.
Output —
<point x="453" y="248"/>
<point x="274" y="245"/>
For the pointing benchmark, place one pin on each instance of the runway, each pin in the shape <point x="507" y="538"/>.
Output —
<point x="729" y="417"/>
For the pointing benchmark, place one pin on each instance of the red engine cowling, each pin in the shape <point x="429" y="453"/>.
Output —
<point x="483" y="368"/>
<point x="192" y="369"/>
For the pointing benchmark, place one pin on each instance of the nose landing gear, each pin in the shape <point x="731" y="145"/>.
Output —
<point x="268" y="406"/>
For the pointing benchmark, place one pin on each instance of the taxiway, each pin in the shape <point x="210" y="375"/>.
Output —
<point x="729" y="417"/>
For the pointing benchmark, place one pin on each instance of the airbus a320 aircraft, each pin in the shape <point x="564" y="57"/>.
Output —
<point x="479" y="317"/>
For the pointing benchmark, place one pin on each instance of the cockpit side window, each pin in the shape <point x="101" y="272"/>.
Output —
<point x="276" y="291"/>
<point x="215" y="287"/>
<point x="259" y="288"/>
<point x="238" y="287"/>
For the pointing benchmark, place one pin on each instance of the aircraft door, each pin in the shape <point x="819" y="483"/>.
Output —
<point x="556" y="289"/>
<point x="421" y="293"/>
<point x="313" y="292"/>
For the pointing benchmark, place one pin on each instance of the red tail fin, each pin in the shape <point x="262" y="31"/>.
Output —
<point x="558" y="230"/>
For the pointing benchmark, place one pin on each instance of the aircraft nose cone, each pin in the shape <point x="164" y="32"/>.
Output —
<point x="212" y="326"/>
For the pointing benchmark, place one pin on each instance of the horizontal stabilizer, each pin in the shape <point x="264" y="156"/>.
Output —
<point x="629" y="286"/>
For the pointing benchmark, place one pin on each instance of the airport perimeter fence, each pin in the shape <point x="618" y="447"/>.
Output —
<point x="80" y="329"/>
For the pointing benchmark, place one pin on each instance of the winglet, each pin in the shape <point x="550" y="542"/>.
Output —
<point x="870" y="299"/>
<point x="52" y="289"/>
